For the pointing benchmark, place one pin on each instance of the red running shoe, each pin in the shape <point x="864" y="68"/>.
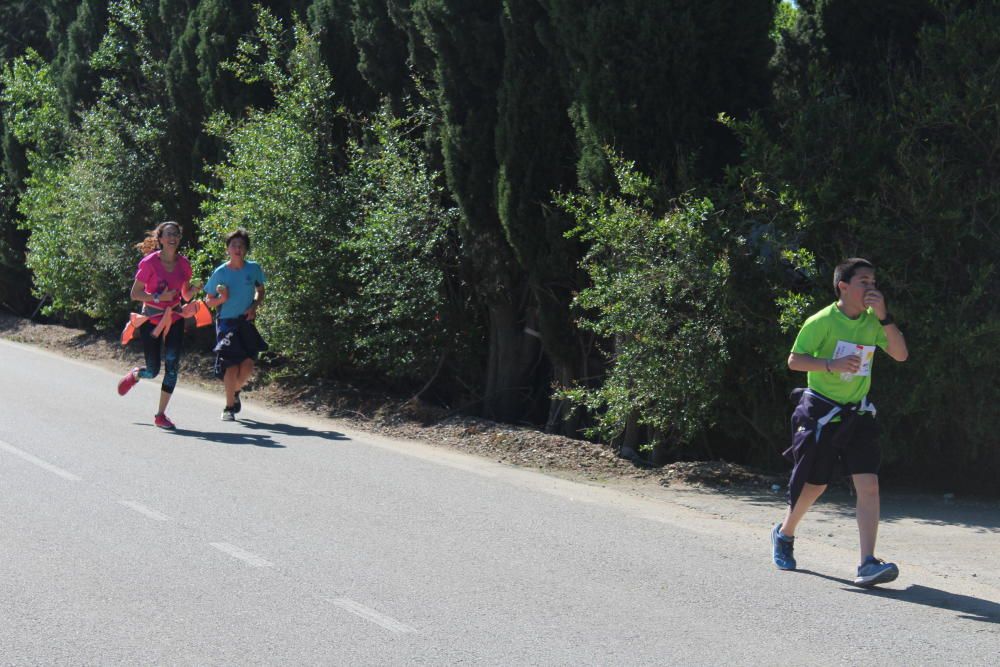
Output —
<point x="163" y="421"/>
<point x="130" y="380"/>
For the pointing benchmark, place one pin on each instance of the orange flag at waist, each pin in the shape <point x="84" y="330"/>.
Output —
<point x="196" y="309"/>
<point x="202" y="315"/>
<point x="135" y="320"/>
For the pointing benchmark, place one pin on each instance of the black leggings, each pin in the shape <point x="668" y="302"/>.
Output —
<point x="172" y="348"/>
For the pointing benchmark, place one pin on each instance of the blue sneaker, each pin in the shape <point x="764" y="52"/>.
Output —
<point x="875" y="571"/>
<point x="782" y="549"/>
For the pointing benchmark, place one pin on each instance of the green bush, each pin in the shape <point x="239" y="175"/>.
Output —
<point x="353" y="237"/>
<point x="698" y="303"/>
<point x="87" y="199"/>
<point x="401" y="242"/>
<point x="277" y="182"/>
<point x="14" y="277"/>
<point x="657" y="292"/>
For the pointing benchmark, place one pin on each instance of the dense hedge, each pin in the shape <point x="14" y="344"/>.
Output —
<point x="907" y="173"/>
<point x="608" y="222"/>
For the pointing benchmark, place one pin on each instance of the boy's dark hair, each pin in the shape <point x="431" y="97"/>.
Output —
<point x="846" y="270"/>
<point x="239" y="234"/>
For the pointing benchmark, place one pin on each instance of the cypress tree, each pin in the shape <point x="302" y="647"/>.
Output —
<point x="23" y="25"/>
<point x="218" y="26"/>
<point x="15" y="282"/>
<point x="855" y="40"/>
<point x="467" y="43"/>
<point x="650" y="79"/>
<point x="187" y="148"/>
<point x="59" y="14"/>
<point x="383" y="48"/>
<point x="535" y="151"/>
<point x="78" y="82"/>
<point x="333" y="20"/>
<point x="205" y="34"/>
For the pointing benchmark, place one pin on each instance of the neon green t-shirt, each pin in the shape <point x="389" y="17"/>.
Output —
<point x="830" y="334"/>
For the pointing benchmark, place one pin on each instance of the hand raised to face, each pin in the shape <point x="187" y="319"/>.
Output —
<point x="875" y="300"/>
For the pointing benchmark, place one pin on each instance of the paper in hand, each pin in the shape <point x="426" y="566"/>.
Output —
<point x="866" y="352"/>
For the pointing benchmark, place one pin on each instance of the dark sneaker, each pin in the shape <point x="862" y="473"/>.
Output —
<point x="237" y="406"/>
<point x="228" y="415"/>
<point x="130" y="380"/>
<point x="875" y="571"/>
<point x="163" y="421"/>
<point x="782" y="549"/>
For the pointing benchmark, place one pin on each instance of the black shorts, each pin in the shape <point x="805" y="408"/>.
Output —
<point x="237" y="340"/>
<point x="859" y="453"/>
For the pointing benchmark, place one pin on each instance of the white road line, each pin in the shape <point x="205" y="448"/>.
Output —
<point x="366" y="613"/>
<point x="246" y="556"/>
<point x="142" y="509"/>
<point x="38" y="462"/>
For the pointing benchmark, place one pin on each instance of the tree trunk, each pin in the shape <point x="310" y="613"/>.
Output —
<point x="512" y="356"/>
<point x="563" y="420"/>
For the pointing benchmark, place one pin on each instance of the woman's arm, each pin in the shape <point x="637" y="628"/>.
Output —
<point x="139" y="294"/>
<point x="189" y="290"/>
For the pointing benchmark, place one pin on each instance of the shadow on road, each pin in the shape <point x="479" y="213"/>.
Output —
<point x="981" y="515"/>
<point x="288" y="429"/>
<point x="972" y="608"/>
<point x="227" y="438"/>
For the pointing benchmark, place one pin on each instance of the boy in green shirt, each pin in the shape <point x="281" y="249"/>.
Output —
<point x="834" y="423"/>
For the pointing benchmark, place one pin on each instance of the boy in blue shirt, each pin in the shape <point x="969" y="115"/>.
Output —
<point x="834" y="423"/>
<point x="236" y="288"/>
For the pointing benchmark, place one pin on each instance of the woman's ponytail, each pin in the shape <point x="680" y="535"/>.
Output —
<point x="152" y="241"/>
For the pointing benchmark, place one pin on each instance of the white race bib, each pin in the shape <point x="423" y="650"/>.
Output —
<point x="866" y="352"/>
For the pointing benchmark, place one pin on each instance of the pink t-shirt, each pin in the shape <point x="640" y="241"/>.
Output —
<point x="156" y="278"/>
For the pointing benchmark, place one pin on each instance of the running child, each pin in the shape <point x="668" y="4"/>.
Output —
<point x="237" y="289"/>
<point x="162" y="278"/>
<point x="834" y="423"/>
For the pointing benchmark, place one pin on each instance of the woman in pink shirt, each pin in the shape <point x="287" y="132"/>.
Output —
<point x="162" y="278"/>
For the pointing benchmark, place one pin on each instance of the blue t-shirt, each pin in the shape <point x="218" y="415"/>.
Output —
<point x="242" y="286"/>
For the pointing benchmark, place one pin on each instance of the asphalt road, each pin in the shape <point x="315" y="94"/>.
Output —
<point x="284" y="540"/>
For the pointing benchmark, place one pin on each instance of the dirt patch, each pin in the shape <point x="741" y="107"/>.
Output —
<point x="718" y="474"/>
<point x="387" y="415"/>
